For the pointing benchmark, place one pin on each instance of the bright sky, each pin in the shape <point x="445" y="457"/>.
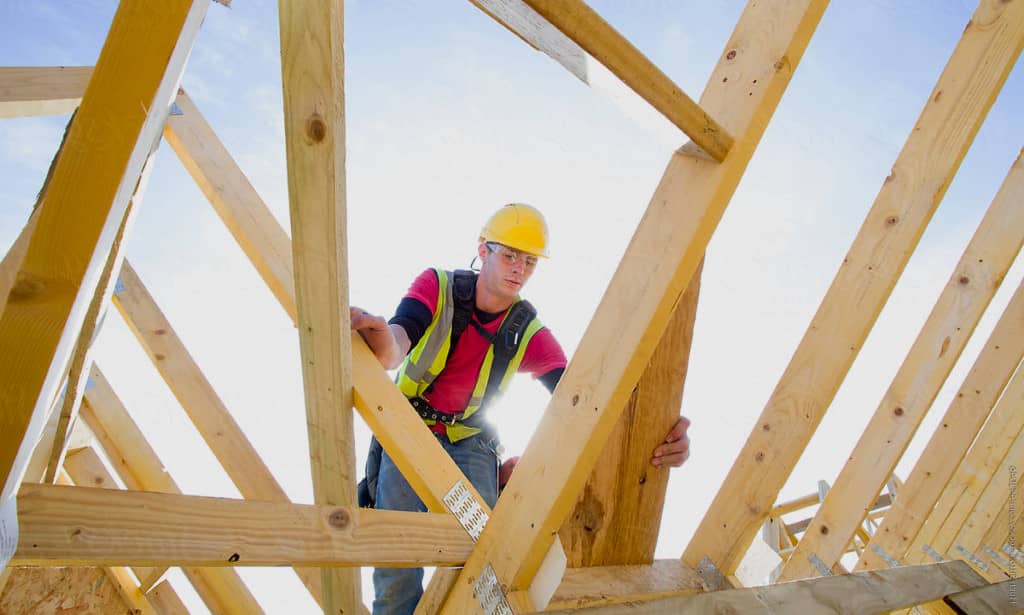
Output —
<point x="448" y="117"/>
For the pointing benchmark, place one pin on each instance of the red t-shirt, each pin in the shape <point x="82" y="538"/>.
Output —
<point x="454" y="385"/>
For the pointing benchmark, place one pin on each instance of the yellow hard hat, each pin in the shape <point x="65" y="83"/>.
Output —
<point x="519" y="226"/>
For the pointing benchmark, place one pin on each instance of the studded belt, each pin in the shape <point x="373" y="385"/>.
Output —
<point x="429" y="413"/>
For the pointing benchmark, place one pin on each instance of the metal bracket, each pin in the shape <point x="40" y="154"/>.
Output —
<point x="933" y="553"/>
<point x="713" y="578"/>
<point x="995" y="556"/>
<point x="819" y="565"/>
<point x="1013" y="552"/>
<point x="467" y="510"/>
<point x="885" y="556"/>
<point x="972" y="558"/>
<point x="489" y="593"/>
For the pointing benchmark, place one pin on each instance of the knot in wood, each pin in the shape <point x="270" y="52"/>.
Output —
<point x="898" y="411"/>
<point x="964" y="280"/>
<point x="891" y="221"/>
<point x="824" y="529"/>
<point x="338" y="518"/>
<point x="731" y="54"/>
<point x="26" y="285"/>
<point x="316" y="128"/>
<point x="575" y="399"/>
<point x="234" y="557"/>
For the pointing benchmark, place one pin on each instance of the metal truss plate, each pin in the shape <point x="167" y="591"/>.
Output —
<point x="489" y="593"/>
<point x="471" y="516"/>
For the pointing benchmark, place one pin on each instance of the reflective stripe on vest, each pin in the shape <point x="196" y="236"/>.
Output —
<point x="428" y="358"/>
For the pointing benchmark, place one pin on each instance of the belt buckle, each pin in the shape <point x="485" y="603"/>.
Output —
<point x="448" y="419"/>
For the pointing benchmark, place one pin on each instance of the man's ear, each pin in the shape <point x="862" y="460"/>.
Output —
<point x="481" y="251"/>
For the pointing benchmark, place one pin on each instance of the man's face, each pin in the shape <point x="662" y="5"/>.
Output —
<point x="503" y="270"/>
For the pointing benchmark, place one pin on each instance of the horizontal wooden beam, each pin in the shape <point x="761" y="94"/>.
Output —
<point x="600" y="585"/>
<point x="140" y="469"/>
<point x="877" y="591"/>
<point x="970" y="289"/>
<point x="581" y="24"/>
<point x="995" y="599"/>
<point x="35" y="90"/>
<point x="924" y="168"/>
<point x="87" y="526"/>
<point x="86" y="469"/>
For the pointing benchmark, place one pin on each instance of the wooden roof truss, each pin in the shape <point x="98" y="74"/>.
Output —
<point x="620" y="392"/>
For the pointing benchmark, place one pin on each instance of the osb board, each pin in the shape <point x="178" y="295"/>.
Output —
<point x="60" y="591"/>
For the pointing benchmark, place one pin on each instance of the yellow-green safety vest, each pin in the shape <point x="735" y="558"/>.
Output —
<point x="425" y="362"/>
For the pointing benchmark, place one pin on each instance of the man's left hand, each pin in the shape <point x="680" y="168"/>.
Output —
<point x="676" y="448"/>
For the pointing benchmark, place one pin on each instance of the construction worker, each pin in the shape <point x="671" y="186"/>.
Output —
<point x="447" y="327"/>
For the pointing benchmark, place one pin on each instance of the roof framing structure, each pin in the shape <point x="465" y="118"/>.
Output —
<point x="116" y="508"/>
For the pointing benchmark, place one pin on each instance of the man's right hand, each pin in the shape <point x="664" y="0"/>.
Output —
<point x="386" y="341"/>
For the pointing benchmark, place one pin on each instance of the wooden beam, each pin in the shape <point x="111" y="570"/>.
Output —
<point x="234" y="199"/>
<point x="421" y="459"/>
<point x="183" y="376"/>
<point x="973" y="283"/>
<point x="972" y="490"/>
<point x="139" y="467"/>
<point x="923" y="170"/>
<point x="11" y="263"/>
<point x="87" y="526"/>
<point x="606" y="62"/>
<point x="312" y="75"/>
<point x="85" y="467"/>
<point x="120" y="577"/>
<point x="794" y="505"/>
<point x="82" y="211"/>
<point x="80" y="359"/>
<point x="616" y="518"/>
<point x="947" y="471"/>
<point x="33" y="90"/>
<point x="992" y="508"/>
<point x="156" y="576"/>
<point x="659" y="263"/>
<point x="130" y="592"/>
<point x="165" y="600"/>
<point x="877" y="591"/>
<point x="595" y="36"/>
<point x="599" y="585"/>
<point x="994" y="599"/>
<point x="130" y="454"/>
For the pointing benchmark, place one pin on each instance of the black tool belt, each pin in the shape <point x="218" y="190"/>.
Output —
<point x="429" y="413"/>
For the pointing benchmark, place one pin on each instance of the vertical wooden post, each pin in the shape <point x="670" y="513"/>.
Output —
<point x="312" y="67"/>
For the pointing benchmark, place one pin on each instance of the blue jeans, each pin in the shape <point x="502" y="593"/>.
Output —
<point x="398" y="590"/>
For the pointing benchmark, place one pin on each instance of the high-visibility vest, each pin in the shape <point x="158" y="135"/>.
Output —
<point x="426" y="361"/>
